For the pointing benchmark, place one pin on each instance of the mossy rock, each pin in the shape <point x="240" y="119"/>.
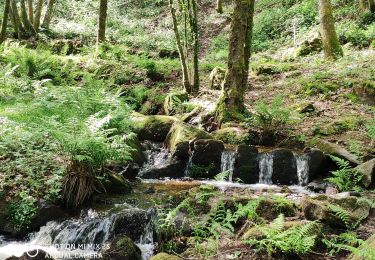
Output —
<point x="367" y="170"/>
<point x="173" y="101"/>
<point x="336" y="150"/>
<point x="153" y="128"/>
<point x="367" y="250"/>
<point x="136" y="152"/>
<point x="122" y="248"/>
<point x="366" y="93"/>
<point x="309" y="47"/>
<point x="164" y="256"/>
<point x="324" y="209"/>
<point x="265" y="69"/>
<point x="270" y="208"/>
<point x="233" y="135"/>
<point x="179" y="137"/>
<point x="216" y="79"/>
<point x="117" y="184"/>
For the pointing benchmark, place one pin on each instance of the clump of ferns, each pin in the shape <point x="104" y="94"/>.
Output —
<point x="297" y="240"/>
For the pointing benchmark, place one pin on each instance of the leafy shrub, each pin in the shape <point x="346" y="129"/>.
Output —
<point x="346" y="178"/>
<point x="370" y="126"/>
<point x="23" y="210"/>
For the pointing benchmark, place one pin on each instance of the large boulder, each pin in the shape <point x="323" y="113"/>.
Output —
<point x="217" y="77"/>
<point x="122" y="248"/>
<point x="309" y="46"/>
<point x="326" y="209"/>
<point x="246" y="165"/>
<point x="117" y="184"/>
<point x="233" y="135"/>
<point x="207" y="153"/>
<point x="130" y="222"/>
<point x="179" y="137"/>
<point x="172" y="168"/>
<point x="284" y="167"/>
<point x="173" y="101"/>
<point x="367" y="170"/>
<point x="154" y="128"/>
<point x="336" y="150"/>
<point x="366" y="93"/>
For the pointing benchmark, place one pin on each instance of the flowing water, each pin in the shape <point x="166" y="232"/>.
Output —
<point x="265" y="168"/>
<point x="189" y="165"/>
<point x="302" y="169"/>
<point x="157" y="156"/>
<point x="228" y="158"/>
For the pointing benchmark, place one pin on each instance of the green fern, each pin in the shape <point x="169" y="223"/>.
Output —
<point x="223" y="176"/>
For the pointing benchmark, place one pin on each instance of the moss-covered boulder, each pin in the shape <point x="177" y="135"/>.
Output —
<point x="117" y="183"/>
<point x="246" y="165"/>
<point x="336" y="150"/>
<point x="367" y="170"/>
<point x="153" y="128"/>
<point x="173" y="102"/>
<point x="216" y="78"/>
<point x="122" y="248"/>
<point x="309" y="47"/>
<point x="271" y="207"/>
<point x="179" y="137"/>
<point x="165" y="256"/>
<point x="207" y="153"/>
<point x="366" y="93"/>
<point x="233" y="135"/>
<point x="265" y="69"/>
<point x="338" y="212"/>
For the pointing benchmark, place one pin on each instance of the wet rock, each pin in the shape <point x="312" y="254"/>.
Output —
<point x="47" y="212"/>
<point x="310" y="46"/>
<point x="174" y="169"/>
<point x="316" y="162"/>
<point x="117" y="184"/>
<point x="367" y="170"/>
<point x="336" y="150"/>
<point x="207" y="152"/>
<point x="179" y="137"/>
<point x="122" y="248"/>
<point x="154" y="128"/>
<point x="246" y="165"/>
<point x="136" y="152"/>
<point x="284" y="167"/>
<point x="32" y="255"/>
<point x="366" y="93"/>
<point x="164" y="256"/>
<point x="217" y="77"/>
<point x="173" y="101"/>
<point x="324" y="209"/>
<point x="130" y="222"/>
<point x="130" y="172"/>
<point x="319" y="186"/>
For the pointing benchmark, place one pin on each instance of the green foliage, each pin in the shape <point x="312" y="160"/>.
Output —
<point x="223" y="176"/>
<point x="370" y="126"/>
<point x="349" y="242"/>
<point x="344" y="216"/>
<point x="272" y="116"/>
<point x="297" y="240"/>
<point x="346" y="178"/>
<point x="23" y="210"/>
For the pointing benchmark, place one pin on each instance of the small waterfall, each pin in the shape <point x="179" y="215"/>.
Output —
<point x="228" y="159"/>
<point x="157" y="156"/>
<point x="302" y="169"/>
<point x="189" y="165"/>
<point x="146" y="242"/>
<point x="266" y="168"/>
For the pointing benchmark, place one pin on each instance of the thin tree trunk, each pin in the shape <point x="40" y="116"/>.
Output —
<point x="4" y="23"/>
<point x="231" y="104"/>
<point x="185" y="72"/>
<point x="38" y="14"/>
<point x="31" y="10"/>
<point x="195" y="32"/>
<point x="219" y="6"/>
<point x="49" y="14"/>
<point x="331" y="44"/>
<point x="17" y="19"/>
<point x="249" y="36"/>
<point x="25" y="19"/>
<point x="102" y="20"/>
<point x="16" y="29"/>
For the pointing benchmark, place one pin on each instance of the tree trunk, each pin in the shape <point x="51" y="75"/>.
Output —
<point x="4" y="23"/>
<point x="367" y="6"/>
<point x="17" y="20"/>
<point x="16" y="29"/>
<point x="219" y="6"/>
<point x="185" y="72"/>
<point x="38" y="14"/>
<point x="25" y="19"/>
<point x="49" y="14"/>
<point x="195" y="32"/>
<point x="331" y="44"/>
<point x="102" y="20"/>
<point x="249" y="36"/>
<point x="231" y="104"/>
<point x="31" y="10"/>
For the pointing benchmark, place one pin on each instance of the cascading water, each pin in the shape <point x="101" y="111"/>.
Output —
<point x="228" y="159"/>
<point x="157" y="156"/>
<point x="189" y="165"/>
<point x="146" y="242"/>
<point x="266" y="168"/>
<point x="302" y="169"/>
